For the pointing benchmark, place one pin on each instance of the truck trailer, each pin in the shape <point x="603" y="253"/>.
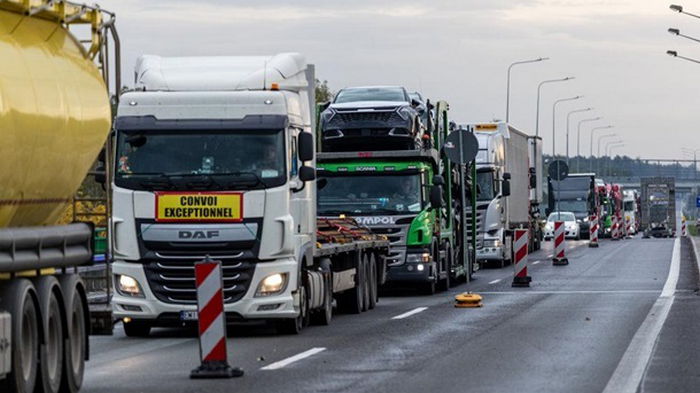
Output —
<point x="55" y="116"/>
<point x="215" y="157"/>
<point x="658" y="199"/>
<point x="504" y="189"/>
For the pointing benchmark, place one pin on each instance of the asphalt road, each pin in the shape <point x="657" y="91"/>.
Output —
<point x="568" y="332"/>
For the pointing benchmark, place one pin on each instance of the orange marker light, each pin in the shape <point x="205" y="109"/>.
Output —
<point x="275" y="86"/>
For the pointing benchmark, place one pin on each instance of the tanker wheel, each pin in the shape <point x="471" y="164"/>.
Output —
<point x="77" y="334"/>
<point x="352" y="300"/>
<point x="372" y="284"/>
<point x="296" y="325"/>
<point x="18" y="298"/>
<point x="366" y="290"/>
<point x="325" y="314"/>
<point x="51" y="351"/>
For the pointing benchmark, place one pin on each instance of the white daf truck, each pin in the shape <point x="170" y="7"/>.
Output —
<point x="215" y="157"/>
<point x="503" y="178"/>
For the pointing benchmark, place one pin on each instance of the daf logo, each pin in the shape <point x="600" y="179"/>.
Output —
<point x="197" y="234"/>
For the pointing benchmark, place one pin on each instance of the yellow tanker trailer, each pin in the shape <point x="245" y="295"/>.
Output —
<point x="54" y="119"/>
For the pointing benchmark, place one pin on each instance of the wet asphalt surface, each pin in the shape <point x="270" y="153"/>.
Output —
<point x="566" y="333"/>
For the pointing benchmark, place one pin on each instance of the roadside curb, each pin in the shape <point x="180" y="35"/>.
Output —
<point x="695" y="254"/>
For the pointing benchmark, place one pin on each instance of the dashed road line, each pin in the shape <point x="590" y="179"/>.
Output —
<point x="409" y="313"/>
<point x="292" y="359"/>
<point x="495" y="281"/>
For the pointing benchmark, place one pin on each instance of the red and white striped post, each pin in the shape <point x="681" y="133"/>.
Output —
<point x="593" y="229"/>
<point x="628" y="228"/>
<point x="559" y="257"/>
<point x="520" y="243"/>
<point x="684" y="228"/>
<point x="212" y="322"/>
<point x="614" y="233"/>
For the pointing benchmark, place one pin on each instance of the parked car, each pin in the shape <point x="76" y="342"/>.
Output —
<point x="572" y="227"/>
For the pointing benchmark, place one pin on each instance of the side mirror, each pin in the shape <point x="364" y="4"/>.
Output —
<point x="438" y="180"/>
<point x="321" y="183"/>
<point x="307" y="173"/>
<point x="306" y="146"/>
<point x="415" y="103"/>
<point x="505" y="188"/>
<point x="506" y="176"/>
<point x="323" y="106"/>
<point x="436" y="197"/>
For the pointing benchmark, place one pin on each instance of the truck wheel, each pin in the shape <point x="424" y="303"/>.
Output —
<point x="365" y="282"/>
<point x="51" y="349"/>
<point x="137" y="328"/>
<point x="18" y="298"/>
<point x="76" y="343"/>
<point x="294" y="326"/>
<point x="325" y="314"/>
<point x="373" y="286"/>
<point x="353" y="298"/>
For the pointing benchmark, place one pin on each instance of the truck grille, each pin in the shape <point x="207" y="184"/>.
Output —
<point x="397" y="240"/>
<point x="172" y="280"/>
<point x="480" y="212"/>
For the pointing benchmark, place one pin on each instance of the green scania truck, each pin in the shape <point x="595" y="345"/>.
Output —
<point x="412" y="197"/>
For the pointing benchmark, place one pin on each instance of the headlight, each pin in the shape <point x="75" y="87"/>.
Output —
<point x="492" y="243"/>
<point x="272" y="284"/>
<point x="423" y="257"/>
<point x="585" y="219"/>
<point x="404" y="112"/>
<point x="128" y="286"/>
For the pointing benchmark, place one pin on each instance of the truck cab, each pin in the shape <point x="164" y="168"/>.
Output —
<point x="214" y="157"/>
<point x="629" y="205"/>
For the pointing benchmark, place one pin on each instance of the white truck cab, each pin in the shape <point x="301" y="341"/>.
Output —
<point x="207" y="163"/>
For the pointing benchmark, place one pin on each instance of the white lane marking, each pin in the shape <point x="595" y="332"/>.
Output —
<point x="286" y="362"/>
<point x="630" y="371"/>
<point x="409" y="313"/>
<point x="695" y="254"/>
<point x="495" y="281"/>
<point x="536" y="262"/>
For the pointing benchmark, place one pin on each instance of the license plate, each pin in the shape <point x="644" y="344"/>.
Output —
<point x="199" y="207"/>
<point x="188" y="315"/>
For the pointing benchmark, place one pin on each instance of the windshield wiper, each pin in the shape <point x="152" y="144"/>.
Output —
<point x="151" y="180"/>
<point x="233" y="179"/>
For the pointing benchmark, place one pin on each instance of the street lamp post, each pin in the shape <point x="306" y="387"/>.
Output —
<point x="608" y="149"/>
<point x="675" y="54"/>
<point x="508" y="83"/>
<point x="554" y="116"/>
<point x="600" y="139"/>
<point x="568" y="117"/>
<point x="611" y="144"/>
<point x="695" y="172"/>
<point x="539" y="90"/>
<point x="593" y="130"/>
<point x="679" y="9"/>
<point x="578" y="138"/>
<point x="678" y="33"/>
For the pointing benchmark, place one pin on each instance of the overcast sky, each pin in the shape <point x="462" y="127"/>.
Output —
<point x="459" y="50"/>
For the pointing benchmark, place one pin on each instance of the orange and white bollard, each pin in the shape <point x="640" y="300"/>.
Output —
<point x="212" y="323"/>
<point x="520" y="243"/>
<point x="593" y="231"/>
<point x="559" y="257"/>
<point x="628" y="228"/>
<point x="684" y="228"/>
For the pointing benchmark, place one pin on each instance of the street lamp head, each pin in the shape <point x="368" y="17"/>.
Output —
<point x="672" y="53"/>
<point x="543" y="58"/>
<point x="674" y="31"/>
<point x="675" y="7"/>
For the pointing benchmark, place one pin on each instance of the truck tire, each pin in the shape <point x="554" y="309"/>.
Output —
<point x="137" y="328"/>
<point x="324" y="315"/>
<point x="447" y="282"/>
<point x="365" y="282"/>
<point x="373" y="282"/>
<point x="77" y="325"/>
<point x="351" y="301"/>
<point x="51" y="351"/>
<point x="293" y="326"/>
<point x="18" y="297"/>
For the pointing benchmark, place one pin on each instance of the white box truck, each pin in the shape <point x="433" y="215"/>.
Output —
<point x="215" y="157"/>
<point x="503" y="177"/>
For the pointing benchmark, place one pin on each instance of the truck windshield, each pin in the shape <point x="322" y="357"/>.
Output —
<point x="217" y="159"/>
<point x="486" y="185"/>
<point x="629" y="206"/>
<point x="376" y="194"/>
<point x="573" y="206"/>
<point x="355" y="94"/>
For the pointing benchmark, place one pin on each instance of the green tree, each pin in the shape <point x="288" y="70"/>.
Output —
<point x="323" y="92"/>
